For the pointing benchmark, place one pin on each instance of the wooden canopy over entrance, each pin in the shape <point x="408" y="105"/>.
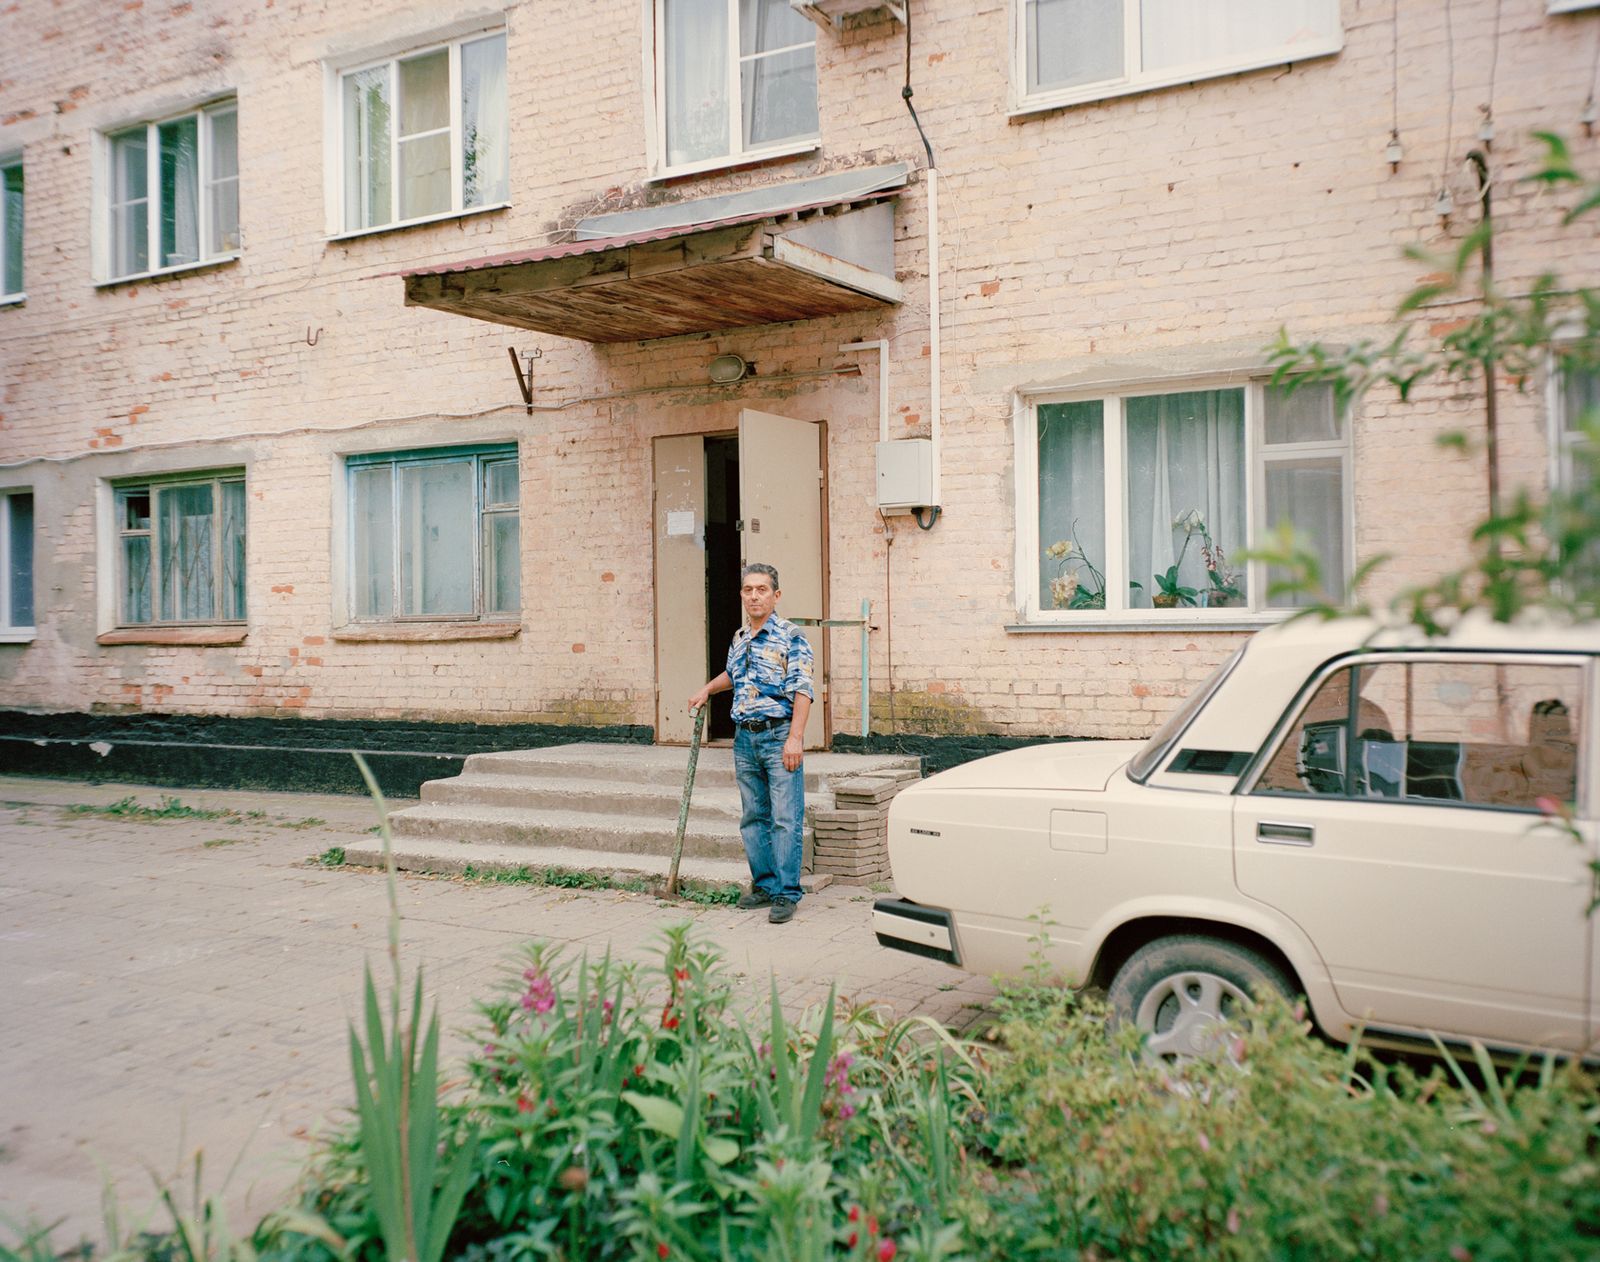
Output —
<point x="671" y="270"/>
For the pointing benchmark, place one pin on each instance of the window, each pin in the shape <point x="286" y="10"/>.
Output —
<point x="734" y="79"/>
<point x="11" y="230"/>
<point x="435" y="535"/>
<point x="1577" y="411"/>
<point x="172" y="196"/>
<point x="1142" y="501"/>
<point x="1570" y="6"/>
<point x="424" y="135"/>
<point x="1082" y="50"/>
<point x="16" y="554"/>
<point x="181" y="557"/>
<point x="1470" y="732"/>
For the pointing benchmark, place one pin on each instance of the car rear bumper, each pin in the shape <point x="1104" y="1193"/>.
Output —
<point x="907" y="926"/>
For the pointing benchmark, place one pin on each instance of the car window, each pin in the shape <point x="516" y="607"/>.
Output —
<point x="1480" y="733"/>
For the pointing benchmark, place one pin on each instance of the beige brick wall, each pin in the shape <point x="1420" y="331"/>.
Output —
<point x="1134" y="238"/>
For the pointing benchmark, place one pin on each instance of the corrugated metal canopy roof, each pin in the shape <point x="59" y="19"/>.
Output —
<point x="676" y="272"/>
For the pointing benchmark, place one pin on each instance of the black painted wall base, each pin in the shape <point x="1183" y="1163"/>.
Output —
<point x="302" y="755"/>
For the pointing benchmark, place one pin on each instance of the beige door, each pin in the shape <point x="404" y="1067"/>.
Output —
<point x="780" y="503"/>
<point x="681" y="665"/>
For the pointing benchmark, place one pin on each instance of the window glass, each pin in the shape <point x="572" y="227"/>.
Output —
<point x="372" y="540"/>
<point x="1306" y="414"/>
<point x="1072" y="519"/>
<point x="1185" y="494"/>
<point x="405" y="157"/>
<point x="188" y="570"/>
<point x="1309" y="495"/>
<point x="1180" y="32"/>
<point x="180" y="191"/>
<point x="1073" y="42"/>
<point x="366" y="148"/>
<point x="502" y="565"/>
<point x="185" y="562"/>
<point x="435" y="536"/>
<point x="1478" y="733"/>
<point x="695" y="35"/>
<point x="485" y="169"/>
<point x="775" y="77"/>
<point x="130" y="208"/>
<point x="223" y="185"/>
<point x="11" y="229"/>
<point x="18" y="533"/>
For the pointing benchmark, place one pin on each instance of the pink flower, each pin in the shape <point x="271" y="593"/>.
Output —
<point x="886" y="1250"/>
<point x="1204" y="1142"/>
<point x="540" y="996"/>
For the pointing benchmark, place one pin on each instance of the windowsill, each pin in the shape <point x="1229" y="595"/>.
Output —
<point x="13" y="300"/>
<point x="17" y="635"/>
<point x="195" y="636"/>
<point x="730" y="162"/>
<point x="425" y="632"/>
<point x="402" y="224"/>
<point x="1045" y="102"/>
<point x="160" y="273"/>
<point x="1175" y="622"/>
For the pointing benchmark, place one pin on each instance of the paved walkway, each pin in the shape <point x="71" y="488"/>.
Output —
<point x="185" y="983"/>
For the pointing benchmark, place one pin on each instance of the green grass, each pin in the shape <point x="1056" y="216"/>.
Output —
<point x="170" y="808"/>
<point x="578" y="879"/>
<point x="216" y="842"/>
<point x="332" y="857"/>
<point x="310" y="821"/>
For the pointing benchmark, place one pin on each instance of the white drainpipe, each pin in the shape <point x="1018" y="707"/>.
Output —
<point x="933" y="328"/>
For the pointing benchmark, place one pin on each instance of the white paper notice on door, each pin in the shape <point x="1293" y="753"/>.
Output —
<point x="680" y="523"/>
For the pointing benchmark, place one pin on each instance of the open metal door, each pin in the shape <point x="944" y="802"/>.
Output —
<point x="780" y="506"/>
<point x="680" y="583"/>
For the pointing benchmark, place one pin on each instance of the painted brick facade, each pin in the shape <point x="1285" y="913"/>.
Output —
<point x="1134" y="239"/>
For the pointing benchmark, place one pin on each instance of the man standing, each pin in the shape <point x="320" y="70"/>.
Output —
<point x="769" y="670"/>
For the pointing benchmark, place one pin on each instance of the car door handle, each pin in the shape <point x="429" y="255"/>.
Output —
<point x="1274" y="834"/>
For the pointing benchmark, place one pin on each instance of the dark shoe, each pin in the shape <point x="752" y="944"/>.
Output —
<point x="754" y="899"/>
<point x="782" y="911"/>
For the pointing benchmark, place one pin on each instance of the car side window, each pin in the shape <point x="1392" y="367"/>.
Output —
<point x="1480" y="733"/>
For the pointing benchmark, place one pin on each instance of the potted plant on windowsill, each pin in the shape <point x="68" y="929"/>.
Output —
<point x="1169" y="592"/>
<point x="1068" y="590"/>
<point x="1224" y="589"/>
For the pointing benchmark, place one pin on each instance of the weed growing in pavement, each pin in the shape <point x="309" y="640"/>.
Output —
<point x="332" y="857"/>
<point x="310" y="821"/>
<point x="217" y="842"/>
<point x="709" y="895"/>
<point x="578" y="879"/>
<point x="170" y="808"/>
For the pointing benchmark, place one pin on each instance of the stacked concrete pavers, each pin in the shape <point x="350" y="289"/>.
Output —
<point x="852" y="837"/>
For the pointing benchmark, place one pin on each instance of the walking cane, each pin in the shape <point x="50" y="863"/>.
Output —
<point x="683" y="807"/>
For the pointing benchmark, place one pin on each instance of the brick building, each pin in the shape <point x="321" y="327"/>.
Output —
<point x="270" y="482"/>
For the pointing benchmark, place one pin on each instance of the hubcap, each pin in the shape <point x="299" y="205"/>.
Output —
<point x="1183" y="1015"/>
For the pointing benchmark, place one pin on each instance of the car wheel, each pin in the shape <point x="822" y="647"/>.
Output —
<point x="1180" y="991"/>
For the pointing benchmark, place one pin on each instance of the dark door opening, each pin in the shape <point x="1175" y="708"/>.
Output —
<point x="724" y="615"/>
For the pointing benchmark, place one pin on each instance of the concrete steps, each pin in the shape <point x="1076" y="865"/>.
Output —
<point x="600" y="807"/>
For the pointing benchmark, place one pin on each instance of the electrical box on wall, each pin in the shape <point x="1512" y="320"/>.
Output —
<point x="905" y="474"/>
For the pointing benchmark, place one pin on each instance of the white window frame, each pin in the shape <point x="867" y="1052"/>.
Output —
<point x="1570" y="6"/>
<point x="339" y="220"/>
<point x="1133" y="81"/>
<point x="105" y="237"/>
<point x="1563" y="442"/>
<point x="737" y="154"/>
<point x="10" y="162"/>
<point x="1258" y="455"/>
<point x="152" y="486"/>
<point x="482" y="511"/>
<point x="11" y="631"/>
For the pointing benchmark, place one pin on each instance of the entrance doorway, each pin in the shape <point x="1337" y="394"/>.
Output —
<point x="723" y="563"/>
<point x="722" y="500"/>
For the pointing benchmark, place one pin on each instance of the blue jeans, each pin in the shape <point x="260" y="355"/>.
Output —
<point x="774" y="811"/>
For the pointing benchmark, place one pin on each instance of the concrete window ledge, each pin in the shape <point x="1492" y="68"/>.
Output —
<point x="199" y="636"/>
<point x="435" y="633"/>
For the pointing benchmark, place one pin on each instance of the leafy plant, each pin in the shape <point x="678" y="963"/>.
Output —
<point x="1068" y="590"/>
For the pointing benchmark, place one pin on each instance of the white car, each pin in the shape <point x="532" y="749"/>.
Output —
<point x="1357" y="815"/>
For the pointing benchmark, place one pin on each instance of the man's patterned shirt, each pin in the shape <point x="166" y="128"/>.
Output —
<point x="768" y="670"/>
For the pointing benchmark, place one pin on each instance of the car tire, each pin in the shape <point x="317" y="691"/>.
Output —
<point x="1180" y="990"/>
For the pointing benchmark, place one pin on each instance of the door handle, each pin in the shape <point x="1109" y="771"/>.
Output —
<point x="1275" y="834"/>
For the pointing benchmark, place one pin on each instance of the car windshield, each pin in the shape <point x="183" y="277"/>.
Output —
<point x="1155" y="749"/>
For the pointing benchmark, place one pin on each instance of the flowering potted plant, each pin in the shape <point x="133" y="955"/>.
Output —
<point x="1224" y="588"/>
<point x="1068" y="589"/>
<point x="1169" y="591"/>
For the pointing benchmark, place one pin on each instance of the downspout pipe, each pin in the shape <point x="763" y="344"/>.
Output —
<point x="934" y="402"/>
<point x="1491" y="422"/>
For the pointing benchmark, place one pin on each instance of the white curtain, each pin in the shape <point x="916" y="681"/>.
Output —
<point x="1072" y="492"/>
<point x="1185" y="452"/>
<point x="180" y="191"/>
<point x="1193" y="32"/>
<point x="485" y="130"/>
<point x="695" y="40"/>
<point x="1072" y="42"/>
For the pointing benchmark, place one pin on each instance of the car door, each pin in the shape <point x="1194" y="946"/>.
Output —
<point x="1396" y="819"/>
